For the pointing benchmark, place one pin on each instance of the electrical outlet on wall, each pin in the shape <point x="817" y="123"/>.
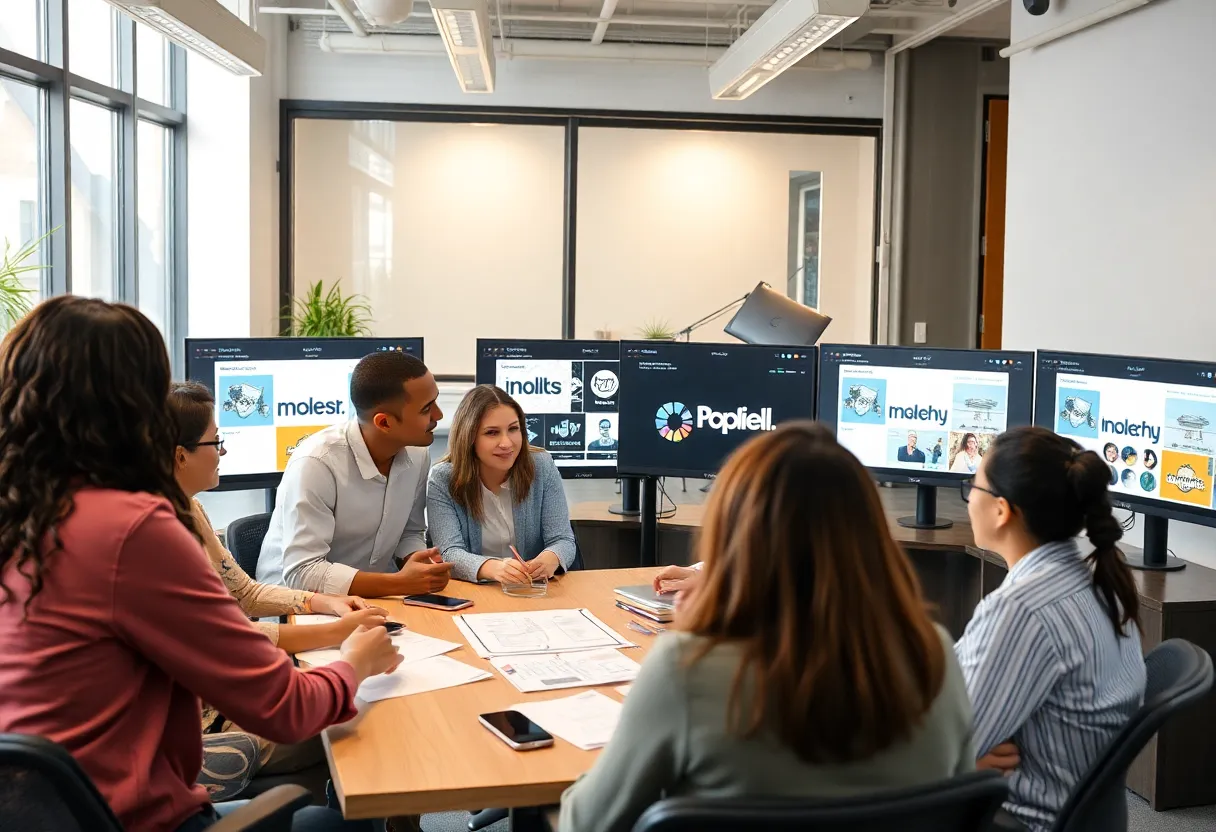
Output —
<point x="918" y="332"/>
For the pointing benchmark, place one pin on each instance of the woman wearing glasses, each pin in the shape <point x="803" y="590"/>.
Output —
<point x="196" y="466"/>
<point x="1051" y="657"/>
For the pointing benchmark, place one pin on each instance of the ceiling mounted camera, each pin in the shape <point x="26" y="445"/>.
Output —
<point x="1037" y="6"/>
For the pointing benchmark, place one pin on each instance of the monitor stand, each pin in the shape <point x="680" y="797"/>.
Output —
<point x="630" y="498"/>
<point x="1156" y="554"/>
<point x="926" y="511"/>
<point x="649" y="555"/>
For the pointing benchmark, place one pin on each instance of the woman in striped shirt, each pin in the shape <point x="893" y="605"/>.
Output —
<point x="1052" y="657"/>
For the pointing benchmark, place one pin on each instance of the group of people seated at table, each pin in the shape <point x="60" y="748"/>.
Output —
<point x="803" y="660"/>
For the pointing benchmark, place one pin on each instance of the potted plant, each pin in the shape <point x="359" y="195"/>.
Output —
<point x="656" y="330"/>
<point x="322" y="314"/>
<point x="15" y="300"/>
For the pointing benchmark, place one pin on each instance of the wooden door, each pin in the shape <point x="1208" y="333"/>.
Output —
<point x="992" y="231"/>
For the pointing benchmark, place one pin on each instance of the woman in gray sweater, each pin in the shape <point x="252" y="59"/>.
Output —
<point x="493" y="491"/>
<point x="804" y="662"/>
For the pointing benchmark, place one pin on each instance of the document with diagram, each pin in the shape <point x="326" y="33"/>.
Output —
<point x="555" y="671"/>
<point x="540" y="631"/>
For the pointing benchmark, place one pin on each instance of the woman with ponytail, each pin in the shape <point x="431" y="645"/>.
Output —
<point x="1052" y="657"/>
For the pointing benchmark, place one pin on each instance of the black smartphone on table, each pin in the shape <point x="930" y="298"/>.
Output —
<point x="516" y="730"/>
<point x="436" y="602"/>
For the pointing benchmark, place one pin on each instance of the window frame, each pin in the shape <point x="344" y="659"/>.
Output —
<point x="59" y="85"/>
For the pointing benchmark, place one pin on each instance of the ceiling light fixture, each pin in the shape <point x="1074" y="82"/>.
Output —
<point x="205" y="27"/>
<point x="784" y="35"/>
<point x="464" y="26"/>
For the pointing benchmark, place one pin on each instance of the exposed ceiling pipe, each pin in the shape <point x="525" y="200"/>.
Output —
<point x="423" y="46"/>
<point x="348" y="17"/>
<point x="955" y="20"/>
<point x="601" y="28"/>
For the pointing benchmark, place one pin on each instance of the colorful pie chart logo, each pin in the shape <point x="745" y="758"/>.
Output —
<point x="673" y="421"/>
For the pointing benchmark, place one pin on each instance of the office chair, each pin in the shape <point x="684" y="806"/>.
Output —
<point x="1179" y="675"/>
<point x="245" y="538"/>
<point x="961" y="804"/>
<point x="43" y="789"/>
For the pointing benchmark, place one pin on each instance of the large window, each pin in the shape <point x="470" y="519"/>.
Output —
<point x="21" y="182"/>
<point x="90" y="144"/>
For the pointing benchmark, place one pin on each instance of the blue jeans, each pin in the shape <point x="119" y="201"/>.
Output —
<point x="308" y="819"/>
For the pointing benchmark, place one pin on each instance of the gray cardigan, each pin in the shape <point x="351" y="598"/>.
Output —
<point x="541" y="522"/>
<point x="673" y="740"/>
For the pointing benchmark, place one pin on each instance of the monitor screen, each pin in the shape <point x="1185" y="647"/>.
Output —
<point x="686" y="407"/>
<point x="914" y="414"/>
<point x="569" y="392"/>
<point x="1152" y="420"/>
<point x="271" y="393"/>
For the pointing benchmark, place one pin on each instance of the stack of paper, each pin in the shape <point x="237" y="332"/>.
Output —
<point x="540" y="631"/>
<point x="419" y="677"/>
<point x="587" y="720"/>
<point x="554" y="671"/>
<point x="423" y="667"/>
<point x="644" y="601"/>
<point x="412" y="647"/>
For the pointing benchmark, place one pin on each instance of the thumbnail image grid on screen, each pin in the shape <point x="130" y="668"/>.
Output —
<point x="922" y="415"/>
<point x="568" y="391"/>
<point x="273" y="393"/>
<point x="1152" y="420"/>
<point x="686" y="407"/>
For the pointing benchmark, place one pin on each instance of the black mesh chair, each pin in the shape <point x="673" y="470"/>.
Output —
<point x="245" y="538"/>
<point x="1179" y="674"/>
<point x="43" y="789"/>
<point x="961" y="804"/>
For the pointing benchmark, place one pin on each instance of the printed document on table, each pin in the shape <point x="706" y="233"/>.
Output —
<point x="419" y="677"/>
<point x="554" y="671"/>
<point x="541" y="631"/>
<point x="586" y="720"/>
<point x="412" y="647"/>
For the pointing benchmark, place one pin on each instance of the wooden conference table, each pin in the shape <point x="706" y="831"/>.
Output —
<point x="428" y="753"/>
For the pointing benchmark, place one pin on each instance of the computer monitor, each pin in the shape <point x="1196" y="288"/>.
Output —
<point x="769" y="317"/>
<point x="272" y="393"/>
<point x="686" y="407"/>
<point x="1154" y="422"/>
<point x="569" y="391"/>
<point x="920" y="415"/>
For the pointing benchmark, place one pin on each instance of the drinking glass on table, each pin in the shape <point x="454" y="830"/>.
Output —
<point x="535" y="586"/>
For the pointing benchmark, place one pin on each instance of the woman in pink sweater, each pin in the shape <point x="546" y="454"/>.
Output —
<point x="104" y="585"/>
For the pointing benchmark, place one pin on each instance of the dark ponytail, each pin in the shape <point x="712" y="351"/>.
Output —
<point x="1060" y="488"/>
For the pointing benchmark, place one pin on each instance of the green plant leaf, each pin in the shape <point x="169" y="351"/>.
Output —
<point x="329" y="314"/>
<point x="656" y="330"/>
<point x="15" y="296"/>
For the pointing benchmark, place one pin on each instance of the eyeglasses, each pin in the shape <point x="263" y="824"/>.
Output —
<point x="967" y="486"/>
<point x="218" y="444"/>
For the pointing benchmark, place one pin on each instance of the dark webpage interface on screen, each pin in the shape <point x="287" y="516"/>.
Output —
<point x="272" y="393"/>
<point x="923" y="410"/>
<point x="569" y="391"/>
<point x="1153" y="421"/>
<point x="686" y="408"/>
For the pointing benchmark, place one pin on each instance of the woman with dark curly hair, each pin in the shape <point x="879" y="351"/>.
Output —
<point x="104" y="586"/>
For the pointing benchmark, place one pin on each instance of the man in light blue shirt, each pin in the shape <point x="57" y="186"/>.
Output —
<point x="353" y="497"/>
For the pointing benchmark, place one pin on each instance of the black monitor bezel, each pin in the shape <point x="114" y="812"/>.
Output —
<point x="696" y="473"/>
<point x="253" y="482"/>
<point x="568" y="472"/>
<point x="1141" y="505"/>
<point x="901" y="476"/>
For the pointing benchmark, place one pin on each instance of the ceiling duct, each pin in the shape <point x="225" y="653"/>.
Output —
<point x="385" y="12"/>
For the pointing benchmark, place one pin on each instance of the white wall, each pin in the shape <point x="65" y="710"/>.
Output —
<point x="1112" y="171"/>
<point x="585" y="85"/>
<point x="673" y="224"/>
<point x="475" y="246"/>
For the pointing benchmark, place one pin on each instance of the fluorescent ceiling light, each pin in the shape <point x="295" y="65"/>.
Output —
<point x="464" y="26"/>
<point x="784" y="35"/>
<point x="205" y="27"/>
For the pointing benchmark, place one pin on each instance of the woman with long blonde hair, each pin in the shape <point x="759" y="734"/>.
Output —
<point x="803" y="663"/>
<point x="493" y="492"/>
